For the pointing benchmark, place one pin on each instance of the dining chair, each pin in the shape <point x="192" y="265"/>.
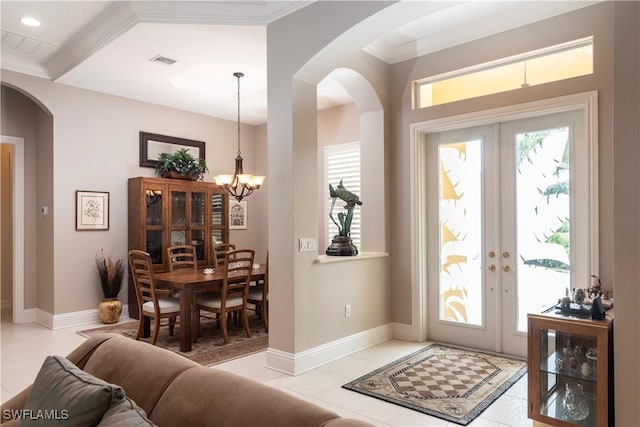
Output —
<point x="233" y="293"/>
<point x="153" y="303"/>
<point x="259" y="296"/>
<point x="182" y="256"/>
<point x="219" y="252"/>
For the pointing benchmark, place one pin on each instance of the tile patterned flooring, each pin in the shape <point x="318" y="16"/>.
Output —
<point x="24" y="347"/>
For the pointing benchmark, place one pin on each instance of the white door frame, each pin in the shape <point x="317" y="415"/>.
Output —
<point x="587" y="102"/>
<point x="19" y="313"/>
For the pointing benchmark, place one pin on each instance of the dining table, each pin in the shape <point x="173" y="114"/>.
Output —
<point x="187" y="282"/>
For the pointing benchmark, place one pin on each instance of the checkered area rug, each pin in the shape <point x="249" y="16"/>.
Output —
<point x="443" y="381"/>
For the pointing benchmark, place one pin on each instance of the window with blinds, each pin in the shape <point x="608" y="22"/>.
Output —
<point x="342" y="162"/>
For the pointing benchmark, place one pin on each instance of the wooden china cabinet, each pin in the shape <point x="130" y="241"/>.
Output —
<point x="166" y="212"/>
<point x="570" y="370"/>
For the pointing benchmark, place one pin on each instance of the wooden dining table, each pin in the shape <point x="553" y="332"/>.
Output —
<point x="187" y="282"/>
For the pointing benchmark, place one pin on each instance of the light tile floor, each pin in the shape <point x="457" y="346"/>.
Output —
<point x="24" y="347"/>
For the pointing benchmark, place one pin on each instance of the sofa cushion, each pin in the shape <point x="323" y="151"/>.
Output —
<point x="63" y="392"/>
<point x="210" y="397"/>
<point x="143" y="370"/>
<point x="125" y="413"/>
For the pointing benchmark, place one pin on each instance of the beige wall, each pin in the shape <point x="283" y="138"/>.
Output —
<point x="307" y="299"/>
<point x="94" y="146"/>
<point x="6" y="224"/>
<point x="625" y="219"/>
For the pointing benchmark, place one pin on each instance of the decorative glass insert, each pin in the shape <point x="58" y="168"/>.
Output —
<point x="543" y="219"/>
<point x="460" y="219"/>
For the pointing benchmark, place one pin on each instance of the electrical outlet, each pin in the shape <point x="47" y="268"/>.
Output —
<point x="347" y="310"/>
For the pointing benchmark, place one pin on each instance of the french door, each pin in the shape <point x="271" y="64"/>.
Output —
<point x="504" y="202"/>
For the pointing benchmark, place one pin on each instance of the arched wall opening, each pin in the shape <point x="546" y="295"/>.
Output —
<point x="28" y="124"/>
<point x="369" y="115"/>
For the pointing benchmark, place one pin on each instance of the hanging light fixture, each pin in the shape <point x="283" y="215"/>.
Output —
<point x="239" y="185"/>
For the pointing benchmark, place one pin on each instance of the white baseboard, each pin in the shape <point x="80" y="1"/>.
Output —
<point x="295" y="364"/>
<point x="27" y="316"/>
<point x="76" y="318"/>
<point x="402" y="331"/>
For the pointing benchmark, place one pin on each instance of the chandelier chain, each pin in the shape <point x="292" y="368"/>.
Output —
<point x="238" y="75"/>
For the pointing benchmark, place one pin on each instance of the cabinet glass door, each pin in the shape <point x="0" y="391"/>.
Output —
<point x="198" y="207"/>
<point x="197" y="240"/>
<point x="178" y="208"/>
<point x="153" y="221"/>
<point x="568" y="377"/>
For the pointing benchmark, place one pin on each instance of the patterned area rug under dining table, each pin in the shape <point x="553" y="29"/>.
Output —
<point x="451" y="383"/>
<point x="210" y="348"/>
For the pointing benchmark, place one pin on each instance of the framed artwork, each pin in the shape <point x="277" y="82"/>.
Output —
<point x="152" y="145"/>
<point x="92" y="210"/>
<point x="237" y="215"/>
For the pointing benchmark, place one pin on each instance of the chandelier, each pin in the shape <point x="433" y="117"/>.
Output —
<point x="240" y="184"/>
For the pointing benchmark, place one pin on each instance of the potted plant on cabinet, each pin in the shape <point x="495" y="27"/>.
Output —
<point x="111" y="272"/>
<point x="181" y="165"/>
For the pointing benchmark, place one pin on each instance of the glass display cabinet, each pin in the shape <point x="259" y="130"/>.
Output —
<point x="570" y="370"/>
<point x="166" y="212"/>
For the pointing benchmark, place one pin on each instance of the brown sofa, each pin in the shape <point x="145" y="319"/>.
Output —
<point x="174" y="391"/>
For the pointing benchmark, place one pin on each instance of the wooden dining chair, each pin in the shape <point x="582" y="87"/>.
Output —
<point x="219" y="252"/>
<point x="182" y="256"/>
<point x="259" y="296"/>
<point x="153" y="303"/>
<point x="233" y="294"/>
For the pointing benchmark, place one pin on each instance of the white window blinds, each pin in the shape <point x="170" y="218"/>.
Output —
<point x="342" y="162"/>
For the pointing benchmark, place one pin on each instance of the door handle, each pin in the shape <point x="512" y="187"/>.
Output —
<point x="491" y="267"/>
<point x="507" y="269"/>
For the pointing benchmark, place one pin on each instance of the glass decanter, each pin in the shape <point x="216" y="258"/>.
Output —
<point x="574" y="402"/>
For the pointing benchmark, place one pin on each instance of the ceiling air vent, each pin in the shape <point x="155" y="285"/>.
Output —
<point x="163" y="60"/>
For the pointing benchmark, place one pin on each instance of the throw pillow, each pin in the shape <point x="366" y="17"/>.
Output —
<point x="125" y="413"/>
<point x="64" y="394"/>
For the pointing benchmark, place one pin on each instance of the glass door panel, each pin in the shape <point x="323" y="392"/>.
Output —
<point x="178" y="237"/>
<point x="543" y="219"/>
<point x="460" y="220"/>
<point x="154" y="246"/>
<point x="198" y="207"/>
<point x="178" y="208"/>
<point x="153" y="201"/>
<point x="197" y="240"/>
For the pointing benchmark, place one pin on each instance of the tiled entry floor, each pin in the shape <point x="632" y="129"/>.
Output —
<point x="24" y="347"/>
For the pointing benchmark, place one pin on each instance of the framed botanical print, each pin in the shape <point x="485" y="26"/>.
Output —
<point x="92" y="210"/>
<point x="237" y="215"/>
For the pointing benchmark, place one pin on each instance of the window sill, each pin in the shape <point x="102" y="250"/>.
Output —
<point x="326" y="259"/>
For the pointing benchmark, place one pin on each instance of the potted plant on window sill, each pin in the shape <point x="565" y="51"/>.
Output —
<point x="111" y="273"/>
<point x="181" y="165"/>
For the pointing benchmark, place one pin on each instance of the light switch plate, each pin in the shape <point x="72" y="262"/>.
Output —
<point x="307" y="244"/>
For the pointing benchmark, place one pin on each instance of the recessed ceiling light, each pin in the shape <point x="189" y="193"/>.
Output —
<point x="31" y="22"/>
